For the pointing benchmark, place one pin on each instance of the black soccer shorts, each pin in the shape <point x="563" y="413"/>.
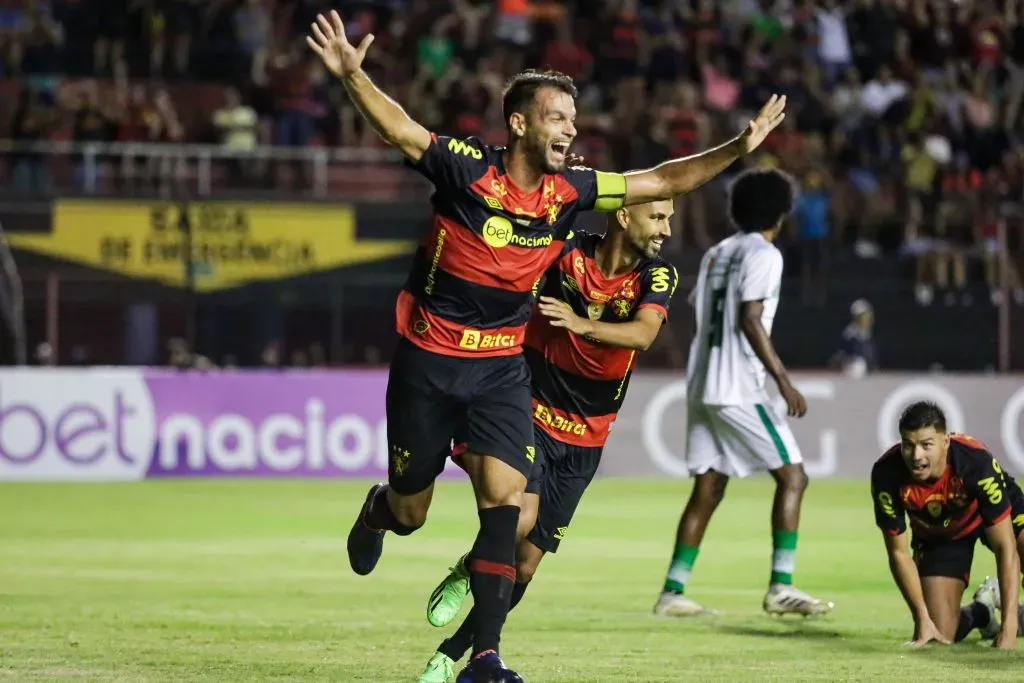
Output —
<point x="431" y="398"/>
<point x="561" y="473"/>
<point x="954" y="558"/>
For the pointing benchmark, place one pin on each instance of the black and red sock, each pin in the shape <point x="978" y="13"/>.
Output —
<point x="459" y="643"/>
<point x="492" y="574"/>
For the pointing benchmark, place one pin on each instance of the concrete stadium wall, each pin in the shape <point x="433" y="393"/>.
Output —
<point x="103" y="424"/>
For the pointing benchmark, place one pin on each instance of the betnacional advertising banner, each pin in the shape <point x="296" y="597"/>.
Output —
<point x="109" y="424"/>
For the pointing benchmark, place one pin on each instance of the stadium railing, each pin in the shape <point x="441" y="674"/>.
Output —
<point x="204" y="170"/>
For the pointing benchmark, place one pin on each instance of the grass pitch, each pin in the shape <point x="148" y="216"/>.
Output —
<point x="248" y="581"/>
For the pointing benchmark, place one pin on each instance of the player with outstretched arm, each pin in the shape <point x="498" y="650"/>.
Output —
<point x="501" y="218"/>
<point x="603" y="302"/>
<point x="955" y="494"/>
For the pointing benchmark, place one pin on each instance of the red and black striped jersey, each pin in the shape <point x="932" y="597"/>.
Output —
<point x="579" y="385"/>
<point x="973" y="490"/>
<point x="472" y="284"/>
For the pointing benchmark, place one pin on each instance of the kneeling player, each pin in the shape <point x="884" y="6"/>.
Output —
<point x="955" y="494"/>
<point x="602" y="302"/>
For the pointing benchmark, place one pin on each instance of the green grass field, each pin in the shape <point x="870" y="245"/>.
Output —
<point x="248" y="581"/>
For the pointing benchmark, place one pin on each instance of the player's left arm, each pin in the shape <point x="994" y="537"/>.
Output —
<point x="658" y="284"/>
<point x="1004" y="547"/>
<point x="989" y="488"/>
<point x="679" y="176"/>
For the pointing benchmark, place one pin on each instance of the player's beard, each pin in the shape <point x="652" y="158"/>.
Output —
<point x="644" y="248"/>
<point x="538" y="154"/>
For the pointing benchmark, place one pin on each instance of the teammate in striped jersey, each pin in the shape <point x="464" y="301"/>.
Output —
<point x="732" y="429"/>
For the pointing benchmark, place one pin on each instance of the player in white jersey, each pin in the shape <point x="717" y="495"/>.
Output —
<point x="732" y="429"/>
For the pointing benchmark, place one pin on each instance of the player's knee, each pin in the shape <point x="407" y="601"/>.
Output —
<point x="411" y="515"/>
<point x="528" y="557"/>
<point x="795" y="480"/>
<point x="711" y="488"/>
<point x="525" y="569"/>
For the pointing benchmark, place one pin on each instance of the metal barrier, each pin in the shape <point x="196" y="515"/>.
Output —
<point x="107" y="168"/>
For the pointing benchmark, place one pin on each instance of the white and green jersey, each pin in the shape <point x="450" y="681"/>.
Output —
<point x="723" y="368"/>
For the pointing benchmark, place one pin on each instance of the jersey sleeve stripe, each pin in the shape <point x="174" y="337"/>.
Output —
<point x="1005" y="513"/>
<point x="611" y="191"/>
<point x="657" y="307"/>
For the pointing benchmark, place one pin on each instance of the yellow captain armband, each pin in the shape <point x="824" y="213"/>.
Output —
<point x="611" y="191"/>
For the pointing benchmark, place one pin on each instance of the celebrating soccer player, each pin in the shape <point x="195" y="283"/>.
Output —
<point x="732" y="429"/>
<point x="603" y="301"/>
<point x="955" y="494"/>
<point x="502" y="216"/>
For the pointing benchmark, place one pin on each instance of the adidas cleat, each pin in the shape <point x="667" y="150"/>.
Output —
<point x="783" y="599"/>
<point x="671" y="604"/>
<point x="365" y="545"/>
<point x="446" y="600"/>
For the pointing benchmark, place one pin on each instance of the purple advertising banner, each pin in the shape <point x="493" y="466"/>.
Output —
<point x="115" y="423"/>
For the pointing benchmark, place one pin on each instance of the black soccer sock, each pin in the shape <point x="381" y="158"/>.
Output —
<point x="972" y="616"/>
<point x="459" y="643"/>
<point x="1020" y="620"/>
<point x="380" y="517"/>
<point x="492" y="574"/>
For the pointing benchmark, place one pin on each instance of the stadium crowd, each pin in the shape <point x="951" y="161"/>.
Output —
<point x="904" y="126"/>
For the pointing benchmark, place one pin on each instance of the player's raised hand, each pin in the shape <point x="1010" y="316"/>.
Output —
<point x="560" y="314"/>
<point x="767" y="120"/>
<point x="926" y="632"/>
<point x="331" y="44"/>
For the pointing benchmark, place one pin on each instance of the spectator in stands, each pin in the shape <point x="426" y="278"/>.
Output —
<point x="955" y="231"/>
<point x="813" y="224"/>
<point x="110" y="24"/>
<point x="1001" y="274"/>
<point x="92" y="123"/>
<point x="857" y="356"/>
<point x="252" y="24"/>
<point x="882" y="92"/>
<point x="33" y="122"/>
<point x="833" y="39"/>
<point x="236" y="124"/>
<point x="36" y="49"/>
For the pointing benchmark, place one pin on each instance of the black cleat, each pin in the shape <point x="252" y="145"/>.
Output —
<point x="487" y="667"/>
<point x="365" y="545"/>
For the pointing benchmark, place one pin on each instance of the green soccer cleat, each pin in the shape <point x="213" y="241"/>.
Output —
<point x="446" y="600"/>
<point x="440" y="669"/>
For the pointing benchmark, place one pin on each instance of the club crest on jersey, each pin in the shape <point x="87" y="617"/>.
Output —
<point x="498" y="188"/>
<point x="622" y="307"/>
<point x="594" y="311"/>
<point x="577" y="265"/>
<point x="552" y="202"/>
<point x="552" y="208"/>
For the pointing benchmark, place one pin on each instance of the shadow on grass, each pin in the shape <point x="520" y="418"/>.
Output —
<point x="779" y="629"/>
